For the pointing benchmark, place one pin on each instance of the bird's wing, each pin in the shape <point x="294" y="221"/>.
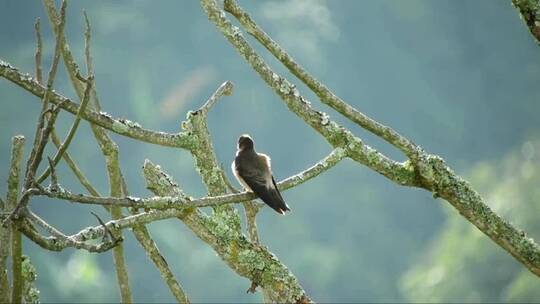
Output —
<point x="262" y="183"/>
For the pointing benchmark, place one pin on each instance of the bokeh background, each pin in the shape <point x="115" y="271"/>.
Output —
<point x="460" y="78"/>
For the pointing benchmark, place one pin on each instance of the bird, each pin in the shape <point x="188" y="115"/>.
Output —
<point x="254" y="172"/>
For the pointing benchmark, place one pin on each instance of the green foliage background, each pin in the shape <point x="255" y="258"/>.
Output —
<point x="460" y="78"/>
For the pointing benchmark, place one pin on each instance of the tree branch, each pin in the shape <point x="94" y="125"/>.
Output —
<point x="247" y="259"/>
<point x="39" y="49"/>
<point x="324" y="94"/>
<point x="110" y="151"/>
<point x="335" y="134"/>
<point x="150" y="247"/>
<point x="182" y="202"/>
<point x="120" y="126"/>
<point x="529" y="11"/>
<point x="71" y="133"/>
<point x="74" y="168"/>
<point x="17" y="145"/>
<point x="424" y="170"/>
<point x="41" y="136"/>
<point x="58" y="244"/>
<point x="203" y="151"/>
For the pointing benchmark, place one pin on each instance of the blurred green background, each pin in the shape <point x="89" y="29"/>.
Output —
<point x="460" y="78"/>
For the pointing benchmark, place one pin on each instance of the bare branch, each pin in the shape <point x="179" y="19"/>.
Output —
<point x="43" y="224"/>
<point x="71" y="132"/>
<point x="39" y="50"/>
<point x="54" y="179"/>
<point x="87" y="37"/>
<point x="108" y="234"/>
<point x="143" y="236"/>
<point x="41" y="138"/>
<point x="225" y="88"/>
<point x="118" y="184"/>
<point x="74" y="168"/>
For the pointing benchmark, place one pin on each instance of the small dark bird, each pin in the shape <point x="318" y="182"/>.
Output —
<point x="254" y="172"/>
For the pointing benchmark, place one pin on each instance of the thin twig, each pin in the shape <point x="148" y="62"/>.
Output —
<point x="43" y="224"/>
<point x="225" y="89"/>
<point x="109" y="150"/>
<point x="108" y="234"/>
<point x="74" y="168"/>
<point x="72" y="130"/>
<point x="71" y="164"/>
<point x="55" y="243"/>
<point x="144" y="238"/>
<point x="40" y="138"/>
<point x="54" y="179"/>
<point x="181" y="202"/>
<point x="42" y="135"/>
<point x="39" y="49"/>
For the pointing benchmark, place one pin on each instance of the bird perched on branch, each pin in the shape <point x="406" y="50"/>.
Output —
<point x="254" y="172"/>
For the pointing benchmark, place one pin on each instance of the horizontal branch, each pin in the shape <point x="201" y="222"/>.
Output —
<point x="120" y="126"/>
<point x="54" y="243"/>
<point x="174" y="206"/>
<point x="182" y="202"/>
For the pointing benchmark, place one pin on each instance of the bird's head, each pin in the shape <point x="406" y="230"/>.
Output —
<point x="245" y="142"/>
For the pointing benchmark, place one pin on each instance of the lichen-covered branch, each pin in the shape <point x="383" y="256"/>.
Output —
<point x="110" y="152"/>
<point x="41" y="136"/>
<point x="120" y="126"/>
<point x="529" y="11"/>
<point x="247" y="259"/>
<point x="421" y="170"/>
<point x="117" y="182"/>
<point x="17" y="145"/>
<point x="5" y="237"/>
<point x="444" y="183"/>
<point x="335" y="134"/>
<point x="175" y="203"/>
<point x="54" y="243"/>
<point x="182" y="202"/>
<point x="59" y="240"/>
<point x="324" y="94"/>
<point x="203" y="150"/>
